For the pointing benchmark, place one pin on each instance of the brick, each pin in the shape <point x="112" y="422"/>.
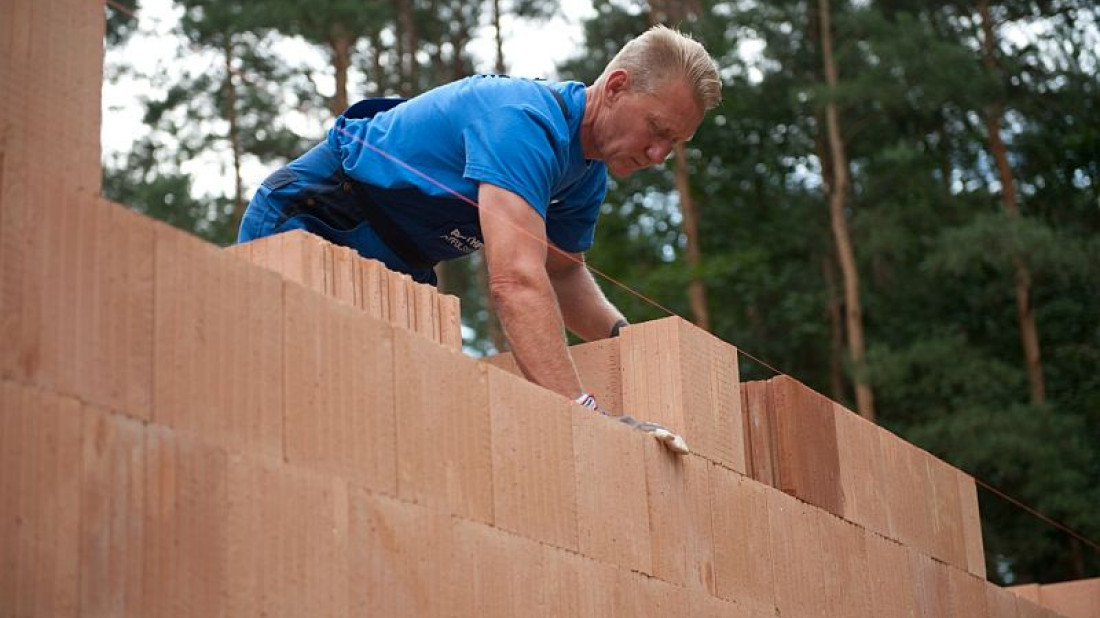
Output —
<point x="680" y="518"/>
<point x="286" y="541"/>
<point x="506" y="572"/>
<point x="760" y="455"/>
<point x="345" y="284"/>
<point x="742" y="546"/>
<point x="1027" y="591"/>
<point x="339" y="383"/>
<point x="946" y="515"/>
<point x="846" y="569"/>
<point x="296" y="255"/>
<point x="863" y="480"/>
<point x="971" y="524"/>
<point x="450" y="321"/>
<point x="600" y="372"/>
<point x="374" y="283"/>
<point x="684" y="378"/>
<point x="218" y="359"/>
<point x="930" y="586"/>
<point x="804" y="425"/>
<point x="1076" y="599"/>
<point x="597" y="588"/>
<point x="612" y="510"/>
<point x="1001" y="602"/>
<point x="111" y="514"/>
<point x="797" y="560"/>
<point x="907" y="491"/>
<point x="426" y="322"/>
<point x="890" y="577"/>
<point x="649" y="597"/>
<point x="966" y="595"/>
<point x="1026" y="608"/>
<point x="444" y="456"/>
<point x="76" y="302"/>
<point x="185" y="526"/>
<point x="40" y="436"/>
<point x="533" y="475"/>
<point x="401" y="305"/>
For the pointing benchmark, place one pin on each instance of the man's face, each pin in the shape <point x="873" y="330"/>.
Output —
<point x="641" y="129"/>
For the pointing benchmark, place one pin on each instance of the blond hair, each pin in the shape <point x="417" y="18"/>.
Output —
<point x="660" y="54"/>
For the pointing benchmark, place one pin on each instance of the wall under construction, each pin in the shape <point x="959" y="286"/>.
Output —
<point x="284" y="428"/>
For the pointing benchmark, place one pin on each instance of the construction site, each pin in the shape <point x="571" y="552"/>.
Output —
<point x="283" y="428"/>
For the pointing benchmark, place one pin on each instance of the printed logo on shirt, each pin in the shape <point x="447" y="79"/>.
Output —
<point x="465" y="244"/>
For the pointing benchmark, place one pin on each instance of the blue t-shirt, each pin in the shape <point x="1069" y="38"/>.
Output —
<point x="420" y="156"/>
<point x="422" y="159"/>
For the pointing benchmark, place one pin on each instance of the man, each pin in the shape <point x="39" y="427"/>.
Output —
<point x="517" y="167"/>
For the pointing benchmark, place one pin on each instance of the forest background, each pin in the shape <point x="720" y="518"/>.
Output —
<point x="897" y="202"/>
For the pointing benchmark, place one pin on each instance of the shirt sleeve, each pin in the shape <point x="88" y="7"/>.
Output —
<point x="514" y="148"/>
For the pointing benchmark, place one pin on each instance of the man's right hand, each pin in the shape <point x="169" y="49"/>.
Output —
<point x="672" y="441"/>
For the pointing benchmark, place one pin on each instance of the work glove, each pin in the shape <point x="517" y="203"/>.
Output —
<point x="672" y="441"/>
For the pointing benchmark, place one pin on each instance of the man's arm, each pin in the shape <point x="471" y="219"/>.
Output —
<point x="587" y="312"/>
<point x="516" y="253"/>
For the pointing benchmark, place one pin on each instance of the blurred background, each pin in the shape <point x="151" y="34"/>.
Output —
<point x="897" y="202"/>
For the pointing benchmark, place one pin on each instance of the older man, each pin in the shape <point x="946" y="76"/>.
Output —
<point x="515" y="166"/>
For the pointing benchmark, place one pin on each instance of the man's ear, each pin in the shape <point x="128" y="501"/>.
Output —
<point x="617" y="84"/>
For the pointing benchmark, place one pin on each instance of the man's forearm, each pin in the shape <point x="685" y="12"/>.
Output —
<point x="585" y="309"/>
<point x="528" y="311"/>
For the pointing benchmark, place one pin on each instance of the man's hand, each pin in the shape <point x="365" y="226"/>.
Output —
<point x="672" y="441"/>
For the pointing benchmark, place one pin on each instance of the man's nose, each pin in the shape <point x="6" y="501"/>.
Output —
<point x="659" y="152"/>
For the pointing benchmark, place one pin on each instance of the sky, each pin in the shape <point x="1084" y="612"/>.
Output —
<point x="531" y="50"/>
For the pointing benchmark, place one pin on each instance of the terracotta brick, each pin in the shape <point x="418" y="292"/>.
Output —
<point x="797" y="559"/>
<point x="945" y="514"/>
<point x="76" y="301"/>
<point x="185" y="526"/>
<point x="742" y="546"/>
<point x="612" y="510"/>
<point x="600" y="372"/>
<point x="846" y="568"/>
<point x="686" y="379"/>
<point x="966" y="594"/>
<point x="804" y="425"/>
<point x="680" y="518"/>
<point x="111" y="514"/>
<point x="426" y="321"/>
<point x="339" y="384"/>
<point x="1001" y="602"/>
<point x="1027" y="591"/>
<point x="296" y="255"/>
<point x="374" y="283"/>
<point x="648" y="597"/>
<point x="930" y="586"/>
<point x="40" y="436"/>
<point x="533" y="473"/>
<point x="863" y="480"/>
<point x="1026" y="608"/>
<point x="597" y="588"/>
<point x="286" y="541"/>
<point x="218" y="358"/>
<point x="890" y="577"/>
<point x="506" y="572"/>
<point x="971" y="524"/>
<point x="505" y="362"/>
<point x="401" y="305"/>
<point x="1076" y="599"/>
<point x="565" y="577"/>
<point x="907" y="491"/>
<point x="450" y="321"/>
<point x="760" y="455"/>
<point x="345" y="284"/>
<point x="444" y="457"/>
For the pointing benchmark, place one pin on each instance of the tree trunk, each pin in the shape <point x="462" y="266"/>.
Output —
<point x="837" y="190"/>
<point x="499" y="38"/>
<point x="406" y="47"/>
<point x="836" y="330"/>
<point x="697" y="291"/>
<point x="1029" y="332"/>
<point x="661" y="11"/>
<point x="377" y="70"/>
<point x="230" y="89"/>
<point x="340" y="43"/>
